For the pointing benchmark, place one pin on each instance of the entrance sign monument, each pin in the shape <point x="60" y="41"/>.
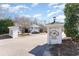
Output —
<point x="55" y="30"/>
<point x="54" y="33"/>
<point x="13" y="31"/>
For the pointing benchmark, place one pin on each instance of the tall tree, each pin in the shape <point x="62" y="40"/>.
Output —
<point x="23" y="22"/>
<point x="71" y="28"/>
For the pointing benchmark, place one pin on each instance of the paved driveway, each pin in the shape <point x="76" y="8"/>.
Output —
<point x="24" y="46"/>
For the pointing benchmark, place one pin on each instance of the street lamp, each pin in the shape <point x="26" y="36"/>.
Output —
<point x="54" y="18"/>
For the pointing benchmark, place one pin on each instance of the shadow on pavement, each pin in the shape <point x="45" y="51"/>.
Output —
<point x="39" y="50"/>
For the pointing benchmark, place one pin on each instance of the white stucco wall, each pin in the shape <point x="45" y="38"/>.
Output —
<point x="34" y="29"/>
<point x="13" y="31"/>
<point x="57" y="39"/>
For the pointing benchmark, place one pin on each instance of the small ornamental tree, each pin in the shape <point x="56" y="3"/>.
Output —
<point x="4" y="24"/>
<point x="71" y="21"/>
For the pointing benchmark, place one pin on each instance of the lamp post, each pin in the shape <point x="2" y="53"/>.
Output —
<point x="54" y="18"/>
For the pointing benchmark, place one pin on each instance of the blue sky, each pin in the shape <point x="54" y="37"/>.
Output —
<point x="42" y="11"/>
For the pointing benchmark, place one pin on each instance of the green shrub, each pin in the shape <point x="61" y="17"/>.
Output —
<point x="71" y="20"/>
<point x="4" y="24"/>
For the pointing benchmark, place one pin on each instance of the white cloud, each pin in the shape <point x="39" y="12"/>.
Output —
<point x="59" y="6"/>
<point x="52" y="4"/>
<point x="13" y="9"/>
<point x="34" y="4"/>
<point x="51" y="13"/>
<point x="27" y="15"/>
<point x="24" y="15"/>
<point x="18" y="8"/>
<point x="56" y="6"/>
<point x="37" y="15"/>
<point x="57" y="12"/>
<point x="21" y="7"/>
<point x="4" y="5"/>
<point x="3" y="9"/>
<point x="54" y="13"/>
<point x="60" y="18"/>
<point x="58" y="9"/>
<point x="48" y="10"/>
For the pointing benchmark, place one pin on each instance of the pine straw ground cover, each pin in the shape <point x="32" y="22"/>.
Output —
<point x="67" y="48"/>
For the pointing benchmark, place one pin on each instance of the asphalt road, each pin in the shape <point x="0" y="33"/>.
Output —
<point x="33" y="45"/>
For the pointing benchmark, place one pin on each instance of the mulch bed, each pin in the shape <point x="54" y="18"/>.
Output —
<point x="67" y="48"/>
<point x="4" y="37"/>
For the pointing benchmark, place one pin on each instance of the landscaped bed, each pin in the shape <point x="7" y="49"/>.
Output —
<point x="67" y="48"/>
<point x="5" y="36"/>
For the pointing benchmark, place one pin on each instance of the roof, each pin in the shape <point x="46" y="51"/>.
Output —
<point x="13" y="27"/>
<point x="56" y="23"/>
